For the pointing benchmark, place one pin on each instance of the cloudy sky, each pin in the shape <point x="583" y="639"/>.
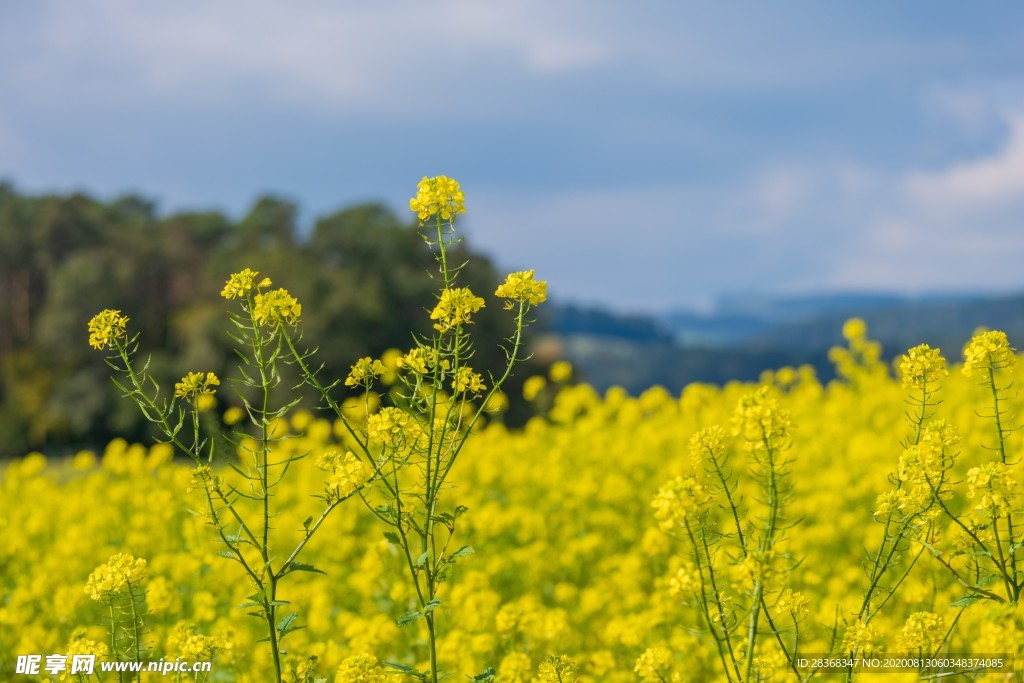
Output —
<point x="643" y="155"/>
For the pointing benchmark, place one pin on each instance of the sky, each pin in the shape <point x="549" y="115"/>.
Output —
<point x="644" y="156"/>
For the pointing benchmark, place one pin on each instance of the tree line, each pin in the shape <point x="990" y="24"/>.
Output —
<point x="362" y="274"/>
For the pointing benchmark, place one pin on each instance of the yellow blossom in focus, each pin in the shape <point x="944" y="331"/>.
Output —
<point x="454" y="308"/>
<point x="278" y="306"/>
<point x="988" y="350"/>
<point x="556" y="669"/>
<point x="361" y="668"/>
<point x="364" y="371"/>
<point x="106" y="327"/>
<point x="196" y="384"/>
<point x="922" y="365"/>
<point x="240" y="284"/>
<point x="347" y="473"/>
<point x="439" y="196"/>
<point x="118" y="575"/>
<point x="522" y="287"/>
<point x="466" y="380"/>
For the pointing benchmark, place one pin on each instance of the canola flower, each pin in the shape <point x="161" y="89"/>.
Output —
<point x="105" y="328"/>
<point x="243" y="283"/>
<point x="439" y="197"/>
<point x="277" y="306"/>
<point x="988" y="351"/>
<point x="116" y="576"/>
<point x="455" y="308"/>
<point x="523" y="288"/>
<point x="196" y="384"/>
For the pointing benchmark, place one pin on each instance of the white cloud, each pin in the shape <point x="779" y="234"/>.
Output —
<point x="996" y="179"/>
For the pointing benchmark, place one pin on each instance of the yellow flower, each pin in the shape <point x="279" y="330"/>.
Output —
<point x="116" y="576"/>
<point x="105" y="327"/>
<point x="277" y="306"/>
<point x="997" y="486"/>
<point x="678" y="498"/>
<point x="454" y="308"/>
<point x="860" y="639"/>
<point x="560" y="371"/>
<point x="854" y="328"/>
<point x="185" y="642"/>
<point x="361" y="668"/>
<point x="523" y="288"/>
<point x="759" y="419"/>
<point x="654" y="664"/>
<point x="364" y="371"/>
<point x="922" y="365"/>
<point x="533" y="386"/>
<point x="196" y="384"/>
<point x="422" y="360"/>
<point x="556" y="670"/>
<point x="988" y="350"/>
<point x="438" y="196"/>
<point x="922" y="632"/>
<point x="467" y="380"/>
<point x="347" y="473"/>
<point x="240" y="284"/>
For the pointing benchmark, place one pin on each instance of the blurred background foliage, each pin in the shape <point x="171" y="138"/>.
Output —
<point x="362" y="274"/>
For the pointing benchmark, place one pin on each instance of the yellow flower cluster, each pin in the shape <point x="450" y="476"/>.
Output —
<point x="997" y="486"/>
<point x="759" y="419"/>
<point x="115" y="577"/>
<point x="364" y="371"/>
<point x="240" y="285"/>
<point x="184" y="641"/>
<point x="106" y="327"/>
<point x="988" y="350"/>
<point x="393" y="427"/>
<point x="922" y="633"/>
<point x="465" y="380"/>
<point x="679" y="498"/>
<point x="196" y="384"/>
<point x="422" y="360"/>
<point x="454" y="308"/>
<point x="347" y="473"/>
<point x="277" y="306"/>
<point x="522" y="287"/>
<point x="570" y="556"/>
<point x="655" y="665"/>
<point x="439" y="196"/>
<point x="557" y="669"/>
<point x="922" y="366"/>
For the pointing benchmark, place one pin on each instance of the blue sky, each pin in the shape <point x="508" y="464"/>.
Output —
<point x="640" y="155"/>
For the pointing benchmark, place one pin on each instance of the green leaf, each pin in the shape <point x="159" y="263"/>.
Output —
<point x="228" y="554"/>
<point x="421" y="561"/>
<point x="307" y="522"/>
<point x="301" y="567"/>
<point x="407" y="670"/>
<point x="392" y="538"/>
<point x="967" y="600"/>
<point x="282" y="626"/>
<point x="464" y="551"/>
<point x="486" y="677"/>
<point x="431" y="606"/>
<point x="409" y="618"/>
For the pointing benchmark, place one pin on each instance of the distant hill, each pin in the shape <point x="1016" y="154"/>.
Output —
<point x="744" y="336"/>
